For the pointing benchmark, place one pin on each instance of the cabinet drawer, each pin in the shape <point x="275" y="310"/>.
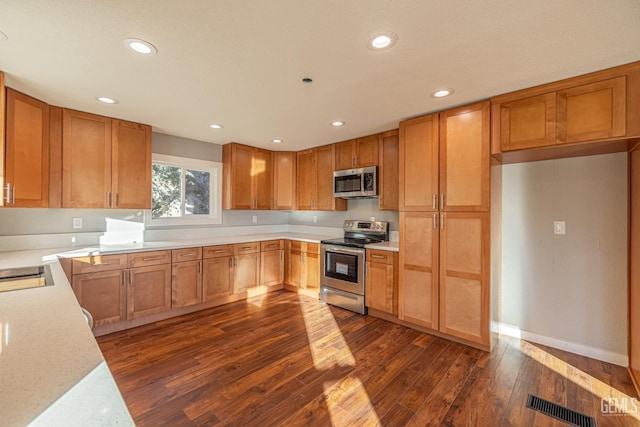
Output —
<point x="298" y="246"/>
<point x="140" y="259"/>
<point x="188" y="254"/>
<point x="271" y="245"/>
<point x="246" y="248"/>
<point x="217" y="251"/>
<point x="95" y="263"/>
<point x="379" y="256"/>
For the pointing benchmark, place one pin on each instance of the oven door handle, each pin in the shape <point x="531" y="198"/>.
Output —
<point x="342" y="249"/>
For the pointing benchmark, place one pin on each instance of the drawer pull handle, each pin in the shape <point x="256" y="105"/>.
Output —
<point x="151" y="259"/>
<point x="102" y="263"/>
<point x="378" y="256"/>
<point x="273" y="245"/>
<point x="189" y="254"/>
<point x="246" y="248"/>
<point x="220" y="251"/>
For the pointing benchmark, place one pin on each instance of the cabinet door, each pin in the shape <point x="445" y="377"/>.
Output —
<point x="263" y="179"/>
<point x="311" y="271"/>
<point x="418" y="268"/>
<point x="325" y="160"/>
<point x="418" y="178"/>
<point x="346" y="155"/>
<point x="592" y="111"/>
<point x="149" y="290"/>
<point x="367" y="151"/>
<point x="217" y="277"/>
<point x="271" y="268"/>
<point x="528" y="122"/>
<point x="246" y="272"/>
<point x="294" y="267"/>
<point x="103" y="294"/>
<point x="238" y="179"/>
<point x="306" y="179"/>
<point x="186" y="283"/>
<point x="380" y="287"/>
<point x="86" y="160"/>
<point x="464" y="276"/>
<point x="284" y="180"/>
<point x="388" y="171"/>
<point x="131" y="165"/>
<point x="27" y="151"/>
<point x="465" y="158"/>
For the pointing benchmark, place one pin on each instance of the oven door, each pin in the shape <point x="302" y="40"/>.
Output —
<point x="342" y="268"/>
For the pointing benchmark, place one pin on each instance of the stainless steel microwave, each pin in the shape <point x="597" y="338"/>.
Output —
<point x="356" y="183"/>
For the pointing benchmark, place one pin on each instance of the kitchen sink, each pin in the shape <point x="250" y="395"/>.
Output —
<point x="13" y="279"/>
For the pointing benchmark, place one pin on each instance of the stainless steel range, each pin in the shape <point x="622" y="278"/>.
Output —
<point x="342" y="264"/>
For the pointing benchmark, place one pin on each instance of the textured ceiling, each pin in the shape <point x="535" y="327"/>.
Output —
<point x="240" y="62"/>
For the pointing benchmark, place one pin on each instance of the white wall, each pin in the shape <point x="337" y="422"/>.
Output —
<point x="570" y="290"/>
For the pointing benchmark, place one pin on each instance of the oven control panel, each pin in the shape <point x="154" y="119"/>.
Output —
<point x="375" y="226"/>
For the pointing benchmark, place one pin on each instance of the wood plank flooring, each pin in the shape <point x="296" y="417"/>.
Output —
<point x="284" y="359"/>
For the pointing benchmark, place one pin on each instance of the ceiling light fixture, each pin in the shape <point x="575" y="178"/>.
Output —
<point x="382" y="41"/>
<point x="276" y="140"/>
<point x="141" y="46"/>
<point x="106" y="100"/>
<point x="442" y="93"/>
<point x="215" y="126"/>
<point x="337" y="123"/>
<point x="307" y="80"/>
<point x="3" y="37"/>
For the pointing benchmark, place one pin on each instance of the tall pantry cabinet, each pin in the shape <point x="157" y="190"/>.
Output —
<point x="444" y="277"/>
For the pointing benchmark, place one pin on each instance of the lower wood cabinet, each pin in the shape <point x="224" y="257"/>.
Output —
<point x="271" y="262"/>
<point x="186" y="277"/>
<point x="303" y="265"/>
<point x="148" y="291"/>
<point x="444" y="273"/>
<point x="217" y="277"/>
<point x="246" y="266"/>
<point x="103" y="294"/>
<point x="382" y="281"/>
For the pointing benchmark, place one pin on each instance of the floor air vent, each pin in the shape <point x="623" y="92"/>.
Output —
<point x="560" y="412"/>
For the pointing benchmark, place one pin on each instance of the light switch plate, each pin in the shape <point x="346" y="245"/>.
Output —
<point x="77" y="223"/>
<point x="558" y="227"/>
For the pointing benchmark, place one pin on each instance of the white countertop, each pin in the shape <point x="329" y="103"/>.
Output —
<point x="51" y="368"/>
<point x="385" y="246"/>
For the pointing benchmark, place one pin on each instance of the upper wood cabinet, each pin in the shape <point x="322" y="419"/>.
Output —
<point x="26" y="151"/>
<point x="357" y="153"/>
<point x="284" y="180"/>
<point x="445" y="160"/>
<point x="595" y="107"/>
<point x="388" y="170"/>
<point x="315" y="180"/>
<point x="93" y="149"/>
<point x="247" y="177"/>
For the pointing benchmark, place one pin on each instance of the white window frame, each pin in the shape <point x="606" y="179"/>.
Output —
<point x="215" y="193"/>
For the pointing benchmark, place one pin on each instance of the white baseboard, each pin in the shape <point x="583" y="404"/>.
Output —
<point x="583" y="350"/>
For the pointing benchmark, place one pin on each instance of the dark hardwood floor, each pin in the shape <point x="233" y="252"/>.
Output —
<point x="284" y="359"/>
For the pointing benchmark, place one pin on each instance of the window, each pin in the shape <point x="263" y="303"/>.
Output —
<point x="184" y="192"/>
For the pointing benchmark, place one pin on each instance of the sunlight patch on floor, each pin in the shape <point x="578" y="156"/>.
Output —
<point x="593" y="385"/>
<point x="256" y="296"/>
<point x="349" y="389"/>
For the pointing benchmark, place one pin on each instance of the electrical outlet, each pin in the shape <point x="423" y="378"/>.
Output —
<point x="558" y="227"/>
<point x="77" y="223"/>
<point x="372" y="218"/>
<point x="255" y="219"/>
<point x="315" y="219"/>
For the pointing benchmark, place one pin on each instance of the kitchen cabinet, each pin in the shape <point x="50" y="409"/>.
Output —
<point x="388" y="170"/>
<point x="247" y="177"/>
<point x="106" y="163"/>
<point x="284" y="180"/>
<point x="26" y="151"/>
<point x="271" y="262"/>
<point x="186" y="277"/>
<point x="149" y="290"/>
<point x="357" y="153"/>
<point x="217" y="277"/>
<point x="382" y="281"/>
<point x="315" y="169"/>
<point x="303" y="265"/>
<point x="246" y="266"/>
<point x="634" y="268"/>
<point x="3" y="107"/>
<point x="592" y="108"/>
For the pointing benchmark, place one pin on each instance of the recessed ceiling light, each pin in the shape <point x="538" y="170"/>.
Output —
<point x="3" y="37"/>
<point x="215" y="126"/>
<point x="442" y="93"/>
<point x="381" y="41"/>
<point x="141" y="46"/>
<point x="337" y="123"/>
<point x="107" y="100"/>
<point x="307" y="80"/>
<point x="276" y="140"/>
